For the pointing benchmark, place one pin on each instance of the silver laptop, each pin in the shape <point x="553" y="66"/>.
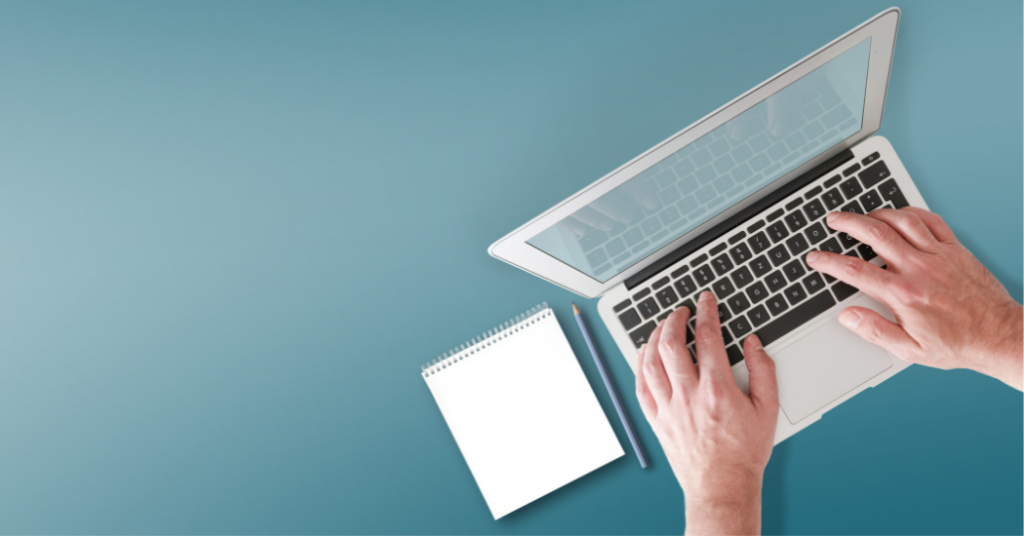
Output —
<point x="733" y="203"/>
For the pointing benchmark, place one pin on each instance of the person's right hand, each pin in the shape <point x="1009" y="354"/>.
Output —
<point x="951" y="311"/>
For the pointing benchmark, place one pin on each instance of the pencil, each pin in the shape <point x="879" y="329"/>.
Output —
<point x="610" y="387"/>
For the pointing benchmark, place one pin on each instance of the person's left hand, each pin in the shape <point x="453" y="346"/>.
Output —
<point x="717" y="439"/>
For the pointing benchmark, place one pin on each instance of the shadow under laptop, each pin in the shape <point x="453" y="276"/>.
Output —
<point x="773" y="493"/>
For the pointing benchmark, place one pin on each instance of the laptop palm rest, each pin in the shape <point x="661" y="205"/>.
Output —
<point x="827" y="363"/>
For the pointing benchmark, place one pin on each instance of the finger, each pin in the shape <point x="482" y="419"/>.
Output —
<point x="764" y="388"/>
<point x="711" y="356"/>
<point x="594" y="219"/>
<point x="643" y="393"/>
<point x="654" y="371"/>
<point x="873" y="280"/>
<point x="574" y="226"/>
<point x="910" y="227"/>
<point x="935" y="224"/>
<point x="873" y="232"/>
<point x="872" y="327"/>
<point x="674" y="355"/>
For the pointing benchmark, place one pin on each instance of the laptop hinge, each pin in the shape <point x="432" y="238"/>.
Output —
<point x="737" y="219"/>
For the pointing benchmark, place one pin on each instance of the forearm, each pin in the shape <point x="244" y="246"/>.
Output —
<point x="737" y="513"/>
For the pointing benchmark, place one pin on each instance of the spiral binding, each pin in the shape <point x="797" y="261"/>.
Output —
<point x="485" y="339"/>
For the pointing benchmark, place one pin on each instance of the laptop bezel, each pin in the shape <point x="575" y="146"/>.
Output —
<point x="514" y="249"/>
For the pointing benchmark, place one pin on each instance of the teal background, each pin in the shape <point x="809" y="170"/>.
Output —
<point x="230" y="233"/>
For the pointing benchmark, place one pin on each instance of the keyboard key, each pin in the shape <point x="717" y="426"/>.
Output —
<point x="777" y="231"/>
<point x="685" y="286"/>
<point x="723" y="313"/>
<point x="874" y="174"/>
<point x="866" y="252"/>
<point x="778" y="255"/>
<point x="642" y="334"/>
<point x="843" y="290"/>
<point x="758" y="315"/>
<point x="630" y="319"/>
<point x="698" y="259"/>
<point x="777" y="304"/>
<point x="832" y="181"/>
<point x="815" y="233"/>
<point x="847" y="241"/>
<point x="871" y="200"/>
<point x="797" y="244"/>
<point x="795" y="294"/>
<point x="648" y="308"/>
<point x="813" y="283"/>
<point x="795" y="318"/>
<point x="795" y="221"/>
<point x="722" y="264"/>
<point x="775" y="281"/>
<point x="641" y="294"/>
<point x="723" y="287"/>
<point x="662" y="316"/>
<point x="689" y="305"/>
<point x="680" y="271"/>
<point x="812" y="193"/>
<point x="757" y="292"/>
<point x="832" y="198"/>
<point x="851" y="170"/>
<point x="618" y="308"/>
<point x="726" y="336"/>
<point x="738" y="303"/>
<point x="794" y="270"/>
<point x="794" y="203"/>
<point x="760" y="266"/>
<point x="775" y="215"/>
<point x="735" y="354"/>
<point x="667" y="297"/>
<point x="851" y="188"/>
<point x="704" y="275"/>
<point x="814" y="210"/>
<point x="737" y="237"/>
<point x="742" y="277"/>
<point x="832" y="245"/>
<point x="853" y="206"/>
<point x="870" y="158"/>
<point x="740" y="326"/>
<point x="740" y="254"/>
<point x="891" y="192"/>
<point x="755" y="227"/>
<point x="660" y="283"/>
<point x="758" y="243"/>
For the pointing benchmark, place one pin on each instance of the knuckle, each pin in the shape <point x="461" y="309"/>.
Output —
<point x="878" y="231"/>
<point x="671" y="346"/>
<point x="852" y="267"/>
<point x="707" y="334"/>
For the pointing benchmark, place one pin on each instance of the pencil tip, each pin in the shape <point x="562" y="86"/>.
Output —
<point x="575" y="310"/>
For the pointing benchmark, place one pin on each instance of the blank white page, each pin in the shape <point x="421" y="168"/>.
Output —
<point x="523" y="414"/>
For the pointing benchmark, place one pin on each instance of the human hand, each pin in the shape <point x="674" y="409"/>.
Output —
<point x="717" y="439"/>
<point x="951" y="312"/>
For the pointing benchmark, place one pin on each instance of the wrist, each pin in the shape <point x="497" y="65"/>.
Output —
<point x="730" y="507"/>
<point x="1003" y="358"/>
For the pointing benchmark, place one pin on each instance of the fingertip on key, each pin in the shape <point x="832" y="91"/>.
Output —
<point x="812" y="257"/>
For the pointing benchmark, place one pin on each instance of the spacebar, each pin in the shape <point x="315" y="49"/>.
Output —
<point x="795" y="318"/>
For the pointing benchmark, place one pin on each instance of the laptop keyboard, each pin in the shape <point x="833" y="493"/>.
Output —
<point x="759" y="273"/>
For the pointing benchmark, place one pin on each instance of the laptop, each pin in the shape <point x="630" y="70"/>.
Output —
<point x="733" y="204"/>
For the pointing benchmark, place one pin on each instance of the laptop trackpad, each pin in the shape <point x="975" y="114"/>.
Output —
<point x="823" y="366"/>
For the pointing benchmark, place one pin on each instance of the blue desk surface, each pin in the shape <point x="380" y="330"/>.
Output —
<point x="230" y="233"/>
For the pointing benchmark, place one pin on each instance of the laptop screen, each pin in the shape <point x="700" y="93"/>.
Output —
<point x="716" y="171"/>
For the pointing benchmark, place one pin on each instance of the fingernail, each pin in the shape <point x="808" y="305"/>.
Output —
<point x="812" y="256"/>
<point x="831" y="216"/>
<point x="850" y="319"/>
<point x="755" y="342"/>
<point x="705" y="296"/>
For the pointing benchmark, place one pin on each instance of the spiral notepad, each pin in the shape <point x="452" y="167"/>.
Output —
<point x="521" y="410"/>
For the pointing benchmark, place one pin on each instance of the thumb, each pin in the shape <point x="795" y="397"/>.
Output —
<point x="874" y="328"/>
<point x="764" y="389"/>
